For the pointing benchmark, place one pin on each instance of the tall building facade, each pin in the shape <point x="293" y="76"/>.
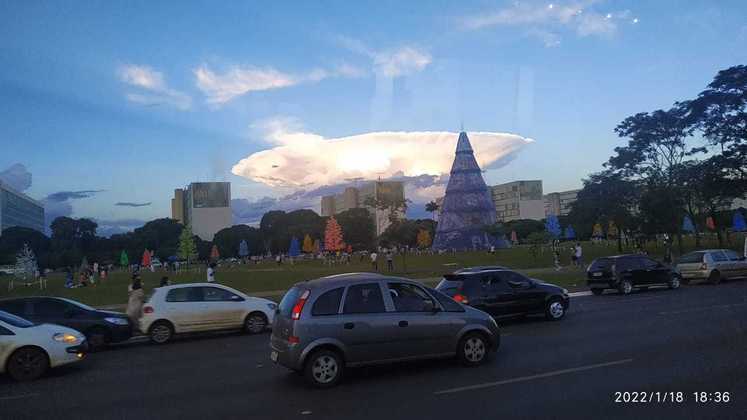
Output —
<point x="18" y="209"/>
<point x="353" y="198"/>
<point x="206" y="206"/>
<point x="518" y="200"/>
<point x="559" y="203"/>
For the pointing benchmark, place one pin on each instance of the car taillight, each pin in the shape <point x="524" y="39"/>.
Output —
<point x="293" y="339"/>
<point x="461" y="298"/>
<point x="147" y="309"/>
<point x="298" y="307"/>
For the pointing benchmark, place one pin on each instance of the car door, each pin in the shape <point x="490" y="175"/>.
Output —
<point x="222" y="308"/>
<point x="526" y="297"/>
<point x="423" y="327"/>
<point x="498" y="297"/>
<point x="655" y="272"/>
<point x="183" y="307"/>
<point x="737" y="264"/>
<point x="366" y="328"/>
<point x="721" y="263"/>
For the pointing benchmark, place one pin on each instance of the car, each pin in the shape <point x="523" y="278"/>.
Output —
<point x="712" y="265"/>
<point x="627" y="272"/>
<point x="28" y="350"/>
<point x="101" y="328"/>
<point x="480" y="268"/>
<point x="503" y="293"/>
<point x="198" y="307"/>
<point x="327" y="325"/>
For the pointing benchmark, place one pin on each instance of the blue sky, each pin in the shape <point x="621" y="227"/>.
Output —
<point x="139" y="98"/>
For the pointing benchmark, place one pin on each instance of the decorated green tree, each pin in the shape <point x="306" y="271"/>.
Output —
<point x="333" y="236"/>
<point x="123" y="260"/>
<point x="187" y="246"/>
<point x="424" y="239"/>
<point x="308" y="244"/>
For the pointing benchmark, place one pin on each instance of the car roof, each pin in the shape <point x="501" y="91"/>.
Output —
<point x="347" y="279"/>
<point x="203" y="284"/>
<point x="480" y="268"/>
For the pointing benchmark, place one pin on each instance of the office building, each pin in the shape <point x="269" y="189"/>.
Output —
<point x="559" y="203"/>
<point x="352" y="198"/>
<point x="204" y="205"/>
<point x="18" y="209"/>
<point x="518" y="200"/>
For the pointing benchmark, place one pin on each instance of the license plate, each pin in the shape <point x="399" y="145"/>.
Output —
<point x="597" y="274"/>
<point x="274" y="356"/>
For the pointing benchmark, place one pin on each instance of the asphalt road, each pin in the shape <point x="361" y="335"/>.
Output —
<point x="687" y="340"/>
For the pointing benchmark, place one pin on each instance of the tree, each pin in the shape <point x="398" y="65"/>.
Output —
<point x="552" y="226"/>
<point x="612" y="231"/>
<point x="214" y="253"/>
<point x="333" y="236"/>
<point x="496" y="230"/>
<point x="524" y="227"/>
<point x="570" y="233"/>
<point x="243" y="249"/>
<point x="14" y="238"/>
<point x="424" y="239"/>
<point x="405" y="232"/>
<point x="536" y="241"/>
<point x="187" y="246"/>
<point x="432" y="207"/>
<point x="738" y="223"/>
<point x="26" y="266"/>
<point x="308" y="244"/>
<point x="123" y="260"/>
<point x="359" y="227"/>
<point x="277" y="227"/>
<point x="229" y="240"/>
<point x="294" y="249"/>
<point x="391" y="205"/>
<point x="597" y="232"/>
<point x="687" y="224"/>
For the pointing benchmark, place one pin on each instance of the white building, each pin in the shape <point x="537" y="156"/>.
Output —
<point x="204" y="205"/>
<point x="559" y="203"/>
<point x="518" y="200"/>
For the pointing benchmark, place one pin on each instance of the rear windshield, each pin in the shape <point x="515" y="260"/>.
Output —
<point x="15" y="320"/>
<point x="693" y="257"/>
<point x="289" y="300"/>
<point x="602" y="264"/>
<point x="453" y="283"/>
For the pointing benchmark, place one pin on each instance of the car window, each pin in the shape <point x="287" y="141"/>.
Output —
<point x="364" y="299"/>
<point x="16" y="307"/>
<point x="650" y="264"/>
<point x="496" y="283"/>
<point x="215" y="294"/>
<point x="515" y="280"/>
<point x="15" y="320"/>
<point x="410" y="298"/>
<point x="5" y="331"/>
<point x="49" y="307"/>
<point x="446" y="302"/>
<point x="328" y="303"/>
<point x="732" y="255"/>
<point x="289" y="300"/>
<point x="184" y="294"/>
<point x="691" y="258"/>
<point x="624" y="264"/>
<point x="718" y="256"/>
<point x="601" y="264"/>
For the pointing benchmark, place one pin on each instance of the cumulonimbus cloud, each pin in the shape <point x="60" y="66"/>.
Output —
<point x="302" y="160"/>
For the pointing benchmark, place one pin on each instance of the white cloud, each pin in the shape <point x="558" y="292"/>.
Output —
<point x="152" y="87"/>
<point x="545" y="21"/>
<point x="307" y="160"/>
<point x="400" y="61"/>
<point x="238" y="80"/>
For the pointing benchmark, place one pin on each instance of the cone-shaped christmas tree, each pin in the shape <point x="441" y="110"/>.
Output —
<point x="468" y="205"/>
<point x="333" y="236"/>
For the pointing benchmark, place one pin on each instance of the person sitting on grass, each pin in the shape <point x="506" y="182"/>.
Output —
<point x="164" y="281"/>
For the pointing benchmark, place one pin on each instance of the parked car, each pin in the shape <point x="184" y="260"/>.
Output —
<point x="713" y="265"/>
<point x="502" y="292"/>
<point x="326" y="325"/>
<point x="626" y="272"/>
<point x="480" y="268"/>
<point x="198" y="307"/>
<point x="100" y="327"/>
<point x="27" y="350"/>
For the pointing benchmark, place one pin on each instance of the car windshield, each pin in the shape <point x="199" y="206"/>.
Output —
<point x="289" y="300"/>
<point x="693" y="257"/>
<point x="15" y="321"/>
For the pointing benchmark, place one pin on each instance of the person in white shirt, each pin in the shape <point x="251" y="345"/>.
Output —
<point x="211" y="273"/>
<point x="579" y="254"/>
<point x="374" y="262"/>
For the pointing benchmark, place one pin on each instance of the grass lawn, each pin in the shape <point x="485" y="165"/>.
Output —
<point x="269" y="279"/>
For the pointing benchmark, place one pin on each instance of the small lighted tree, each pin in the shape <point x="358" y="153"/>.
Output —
<point x="424" y="239"/>
<point x="308" y="244"/>
<point x="333" y="236"/>
<point x="243" y="249"/>
<point x="187" y="246"/>
<point x="26" y="266"/>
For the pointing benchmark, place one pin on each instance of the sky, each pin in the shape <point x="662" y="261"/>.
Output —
<point x="106" y="107"/>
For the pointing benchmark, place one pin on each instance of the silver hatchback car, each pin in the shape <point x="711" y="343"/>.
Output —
<point x="323" y="326"/>
<point x="713" y="265"/>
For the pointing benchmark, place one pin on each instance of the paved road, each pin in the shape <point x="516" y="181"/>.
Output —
<point x="692" y="339"/>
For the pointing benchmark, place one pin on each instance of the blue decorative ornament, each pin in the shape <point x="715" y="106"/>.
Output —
<point x="295" y="248"/>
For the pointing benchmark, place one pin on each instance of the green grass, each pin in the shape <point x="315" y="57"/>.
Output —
<point x="270" y="279"/>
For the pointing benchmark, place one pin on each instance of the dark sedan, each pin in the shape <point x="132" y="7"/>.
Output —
<point x="99" y="327"/>
<point x="501" y="292"/>
<point x="626" y="272"/>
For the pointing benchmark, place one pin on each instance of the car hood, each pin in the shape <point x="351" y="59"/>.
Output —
<point x="548" y="286"/>
<point x="110" y="314"/>
<point x="54" y="329"/>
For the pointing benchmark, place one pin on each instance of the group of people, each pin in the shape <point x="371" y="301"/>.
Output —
<point x="389" y="261"/>
<point x="577" y="254"/>
<point x="86" y="275"/>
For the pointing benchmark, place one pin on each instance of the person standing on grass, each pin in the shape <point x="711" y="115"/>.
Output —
<point x="135" y="300"/>
<point x="556" y="259"/>
<point x="390" y="260"/>
<point x="374" y="261"/>
<point x="579" y="253"/>
<point x="211" y="273"/>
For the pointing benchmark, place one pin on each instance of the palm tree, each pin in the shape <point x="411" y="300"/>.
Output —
<point x="432" y="207"/>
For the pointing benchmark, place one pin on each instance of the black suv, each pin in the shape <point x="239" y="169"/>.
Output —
<point x="502" y="292"/>
<point x="625" y="272"/>
<point x="99" y="327"/>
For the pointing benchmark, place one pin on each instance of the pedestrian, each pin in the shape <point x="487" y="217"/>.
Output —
<point x="211" y="273"/>
<point x="164" y="281"/>
<point x="278" y="259"/>
<point x="574" y="260"/>
<point x="556" y="259"/>
<point x="69" y="278"/>
<point x="374" y="261"/>
<point x="82" y="279"/>
<point x="579" y="253"/>
<point x="390" y="261"/>
<point x="135" y="300"/>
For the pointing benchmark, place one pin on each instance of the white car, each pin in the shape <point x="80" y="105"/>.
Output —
<point x="27" y="350"/>
<point x="196" y="307"/>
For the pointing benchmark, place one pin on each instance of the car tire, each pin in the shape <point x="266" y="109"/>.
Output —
<point x="473" y="349"/>
<point x="714" y="277"/>
<point x="625" y="287"/>
<point x="255" y="323"/>
<point x="684" y="281"/>
<point x="554" y="310"/>
<point x="324" y="368"/>
<point x="27" y="364"/>
<point x="597" y="292"/>
<point x="161" y="332"/>
<point x="97" y="338"/>
<point x="674" y="282"/>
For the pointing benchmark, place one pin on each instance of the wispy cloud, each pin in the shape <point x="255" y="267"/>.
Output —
<point x="72" y="195"/>
<point x="547" y="21"/>
<point x="152" y="88"/>
<point x="394" y="62"/>
<point x="129" y="204"/>
<point x="220" y="88"/>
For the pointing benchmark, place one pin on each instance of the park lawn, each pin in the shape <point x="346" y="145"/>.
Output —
<point x="270" y="279"/>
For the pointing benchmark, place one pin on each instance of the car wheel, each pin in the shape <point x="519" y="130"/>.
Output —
<point x="715" y="277"/>
<point x="685" y="281"/>
<point x="554" y="310"/>
<point x="27" y="364"/>
<point x="97" y="338"/>
<point x="255" y="323"/>
<point x="597" y="292"/>
<point x="324" y="368"/>
<point x="473" y="349"/>
<point x="625" y="287"/>
<point x="674" y="282"/>
<point x="161" y="332"/>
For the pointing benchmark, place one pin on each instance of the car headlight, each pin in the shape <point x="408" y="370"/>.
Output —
<point x="272" y="306"/>
<point x="117" y="321"/>
<point x="65" y="338"/>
